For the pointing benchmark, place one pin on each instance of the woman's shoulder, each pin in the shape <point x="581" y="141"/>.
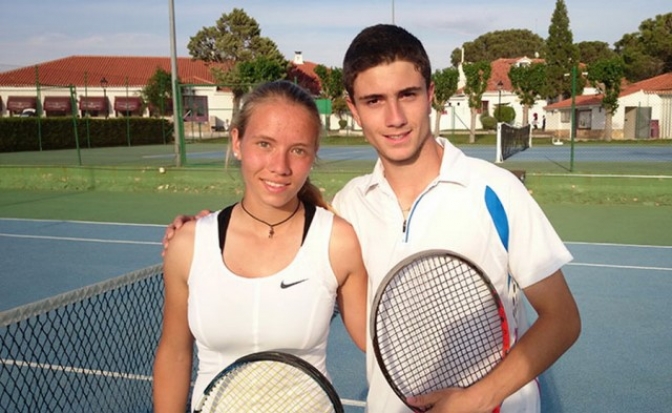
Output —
<point x="344" y="232"/>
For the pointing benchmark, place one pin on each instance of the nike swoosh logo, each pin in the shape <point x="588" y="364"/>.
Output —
<point x="284" y="285"/>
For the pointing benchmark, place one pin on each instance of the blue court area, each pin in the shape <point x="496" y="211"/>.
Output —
<point x="621" y="363"/>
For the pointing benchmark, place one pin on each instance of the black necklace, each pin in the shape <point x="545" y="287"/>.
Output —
<point x="271" y="227"/>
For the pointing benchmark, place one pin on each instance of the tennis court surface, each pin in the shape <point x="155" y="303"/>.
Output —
<point x="87" y="340"/>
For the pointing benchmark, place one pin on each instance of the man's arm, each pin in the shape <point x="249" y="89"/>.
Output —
<point x="557" y="327"/>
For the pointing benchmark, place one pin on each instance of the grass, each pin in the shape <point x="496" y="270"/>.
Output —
<point x="136" y="169"/>
<point x="554" y="189"/>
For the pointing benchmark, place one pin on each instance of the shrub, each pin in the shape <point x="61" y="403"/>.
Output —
<point x="26" y="134"/>
<point x="488" y="122"/>
<point x="505" y="114"/>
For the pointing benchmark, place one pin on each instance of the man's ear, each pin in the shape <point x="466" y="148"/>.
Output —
<point x="430" y="95"/>
<point x="353" y="109"/>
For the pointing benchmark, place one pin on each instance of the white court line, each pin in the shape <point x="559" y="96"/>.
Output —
<point x="625" y="267"/>
<point x="116" y="375"/>
<point x="104" y="241"/>
<point x="83" y="222"/>
<point x="608" y="176"/>
<point x="77" y="370"/>
<point x="356" y="403"/>
<point x="606" y="244"/>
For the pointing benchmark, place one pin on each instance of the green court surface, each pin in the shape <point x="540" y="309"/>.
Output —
<point x="620" y="224"/>
<point x="620" y="193"/>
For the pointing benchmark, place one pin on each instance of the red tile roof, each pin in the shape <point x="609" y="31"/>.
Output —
<point x="661" y="84"/>
<point x="116" y="69"/>
<point x="500" y="72"/>
<point x="579" y="101"/>
<point x="138" y="70"/>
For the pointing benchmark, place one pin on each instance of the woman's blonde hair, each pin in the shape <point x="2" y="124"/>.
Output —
<point x="282" y="89"/>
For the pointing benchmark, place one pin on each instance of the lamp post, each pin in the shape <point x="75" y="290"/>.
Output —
<point x="500" y="85"/>
<point x="103" y="84"/>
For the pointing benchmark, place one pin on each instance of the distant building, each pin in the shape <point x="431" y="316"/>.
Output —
<point x="644" y="111"/>
<point x="111" y="86"/>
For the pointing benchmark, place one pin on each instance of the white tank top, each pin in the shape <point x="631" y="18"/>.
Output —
<point x="290" y="311"/>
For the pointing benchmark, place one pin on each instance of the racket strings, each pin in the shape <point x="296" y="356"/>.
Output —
<point x="439" y="315"/>
<point x="267" y="387"/>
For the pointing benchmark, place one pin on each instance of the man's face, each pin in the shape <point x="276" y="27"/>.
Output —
<point x="392" y="105"/>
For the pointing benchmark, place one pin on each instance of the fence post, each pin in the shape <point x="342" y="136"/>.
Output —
<point x="73" y="109"/>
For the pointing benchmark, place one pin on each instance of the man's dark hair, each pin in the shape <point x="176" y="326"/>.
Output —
<point x="383" y="44"/>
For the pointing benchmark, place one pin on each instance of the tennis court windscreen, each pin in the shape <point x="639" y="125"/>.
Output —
<point x="91" y="349"/>
<point x="511" y="140"/>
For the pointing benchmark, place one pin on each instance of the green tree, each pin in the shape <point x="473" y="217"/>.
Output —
<point x="235" y="38"/>
<point x="477" y="75"/>
<point x="259" y="70"/>
<point x="445" y="86"/>
<point x="648" y="52"/>
<point x="528" y="82"/>
<point x="561" y="54"/>
<point x="331" y="82"/>
<point x="158" y="92"/>
<point x="590" y="52"/>
<point x="606" y="76"/>
<point x="500" y="44"/>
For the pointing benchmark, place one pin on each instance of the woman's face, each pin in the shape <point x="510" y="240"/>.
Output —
<point x="276" y="152"/>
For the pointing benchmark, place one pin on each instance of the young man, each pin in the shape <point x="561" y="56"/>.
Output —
<point x="424" y="194"/>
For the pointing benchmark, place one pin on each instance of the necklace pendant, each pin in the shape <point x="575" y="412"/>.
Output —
<point x="271" y="232"/>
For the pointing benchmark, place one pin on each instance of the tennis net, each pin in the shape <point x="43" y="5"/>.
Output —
<point x="91" y="349"/>
<point x="511" y="140"/>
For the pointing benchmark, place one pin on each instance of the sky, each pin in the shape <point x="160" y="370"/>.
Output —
<point x="37" y="31"/>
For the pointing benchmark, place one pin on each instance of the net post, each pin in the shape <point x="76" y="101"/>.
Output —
<point x="498" y="154"/>
<point x="529" y="144"/>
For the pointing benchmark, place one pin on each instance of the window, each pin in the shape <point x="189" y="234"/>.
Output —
<point x="565" y="116"/>
<point x="584" y="119"/>
<point x="485" y="106"/>
<point x="195" y="108"/>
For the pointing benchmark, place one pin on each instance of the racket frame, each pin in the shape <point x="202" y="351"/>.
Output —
<point x="393" y="273"/>
<point x="280" y="357"/>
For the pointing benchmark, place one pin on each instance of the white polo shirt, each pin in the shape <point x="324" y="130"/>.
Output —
<point x="514" y="244"/>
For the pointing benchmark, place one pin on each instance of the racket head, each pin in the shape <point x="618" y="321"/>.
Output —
<point x="437" y="322"/>
<point x="270" y="381"/>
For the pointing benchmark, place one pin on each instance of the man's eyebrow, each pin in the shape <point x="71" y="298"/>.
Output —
<point x="410" y="89"/>
<point x="373" y="96"/>
<point x="380" y="96"/>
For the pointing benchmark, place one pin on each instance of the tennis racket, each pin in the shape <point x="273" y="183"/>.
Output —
<point x="268" y="382"/>
<point x="437" y="322"/>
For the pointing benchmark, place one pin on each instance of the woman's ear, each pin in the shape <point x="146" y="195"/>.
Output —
<point x="235" y="142"/>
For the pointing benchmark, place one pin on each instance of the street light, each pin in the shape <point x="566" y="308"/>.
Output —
<point x="103" y="84"/>
<point x="500" y="85"/>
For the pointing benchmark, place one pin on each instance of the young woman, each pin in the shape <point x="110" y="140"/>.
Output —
<point x="264" y="273"/>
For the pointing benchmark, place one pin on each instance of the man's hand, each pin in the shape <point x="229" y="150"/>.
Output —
<point x="453" y="400"/>
<point x="177" y="224"/>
